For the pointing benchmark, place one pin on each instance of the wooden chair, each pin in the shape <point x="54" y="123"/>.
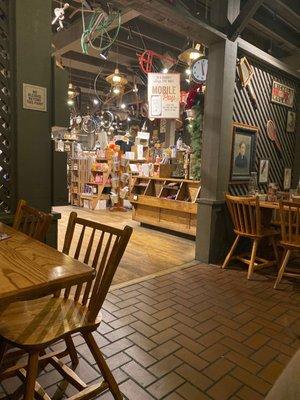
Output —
<point x="246" y="216"/>
<point x="34" y="325"/>
<point x="31" y="221"/>
<point x="290" y="235"/>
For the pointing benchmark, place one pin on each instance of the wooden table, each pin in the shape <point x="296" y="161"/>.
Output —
<point x="29" y="268"/>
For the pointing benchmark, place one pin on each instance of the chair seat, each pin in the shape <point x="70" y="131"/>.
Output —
<point x="41" y="321"/>
<point x="265" y="232"/>
<point x="293" y="245"/>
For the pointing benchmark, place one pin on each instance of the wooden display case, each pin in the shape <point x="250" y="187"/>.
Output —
<point x="166" y="203"/>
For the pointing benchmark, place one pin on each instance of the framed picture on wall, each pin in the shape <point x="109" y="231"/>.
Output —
<point x="263" y="171"/>
<point x="282" y="94"/>
<point x="291" y="122"/>
<point x="243" y="152"/>
<point x="287" y="178"/>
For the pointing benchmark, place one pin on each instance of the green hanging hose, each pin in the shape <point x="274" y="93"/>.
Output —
<point x="98" y="26"/>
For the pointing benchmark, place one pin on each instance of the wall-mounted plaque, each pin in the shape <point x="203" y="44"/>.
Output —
<point x="34" y="97"/>
<point x="282" y="94"/>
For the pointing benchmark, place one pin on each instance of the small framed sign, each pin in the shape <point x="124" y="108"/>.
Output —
<point x="34" y="97"/>
<point x="282" y="94"/>
<point x="287" y="178"/>
<point x="263" y="171"/>
<point x="291" y="122"/>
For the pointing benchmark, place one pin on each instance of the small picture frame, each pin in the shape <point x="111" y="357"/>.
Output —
<point x="263" y="171"/>
<point x="287" y="178"/>
<point x="291" y="122"/>
<point x="243" y="152"/>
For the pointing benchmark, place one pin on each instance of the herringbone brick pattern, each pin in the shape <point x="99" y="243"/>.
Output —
<point x="197" y="334"/>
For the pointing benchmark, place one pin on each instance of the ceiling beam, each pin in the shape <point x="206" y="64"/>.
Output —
<point x="69" y="39"/>
<point x="266" y="58"/>
<point x="171" y="16"/>
<point x="282" y="9"/>
<point x="240" y="23"/>
<point x="268" y="22"/>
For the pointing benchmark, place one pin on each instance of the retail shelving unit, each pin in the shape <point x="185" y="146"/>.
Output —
<point x="98" y="191"/>
<point x="165" y="202"/>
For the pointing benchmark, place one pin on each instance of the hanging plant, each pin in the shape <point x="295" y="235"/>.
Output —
<point x="195" y="129"/>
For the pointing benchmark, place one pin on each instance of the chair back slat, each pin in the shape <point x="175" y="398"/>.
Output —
<point x="290" y="222"/>
<point x="31" y="221"/>
<point x="79" y="244"/>
<point x="245" y="214"/>
<point x="105" y="248"/>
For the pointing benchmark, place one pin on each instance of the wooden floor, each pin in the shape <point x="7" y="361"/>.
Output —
<point x="148" y="252"/>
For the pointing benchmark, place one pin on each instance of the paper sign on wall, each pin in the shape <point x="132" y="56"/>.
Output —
<point x="164" y="95"/>
<point x="34" y="97"/>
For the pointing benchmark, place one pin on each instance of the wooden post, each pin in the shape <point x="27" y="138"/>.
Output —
<point x="216" y="151"/>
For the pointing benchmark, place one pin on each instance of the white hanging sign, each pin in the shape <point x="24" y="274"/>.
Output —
<point x="164" y="95"/>
<point x="34" y="97"/>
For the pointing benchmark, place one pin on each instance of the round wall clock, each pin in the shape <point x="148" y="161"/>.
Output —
<point x="199" y="70"/>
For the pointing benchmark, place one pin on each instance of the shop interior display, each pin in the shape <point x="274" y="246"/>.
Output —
<point x="135" y="135"/>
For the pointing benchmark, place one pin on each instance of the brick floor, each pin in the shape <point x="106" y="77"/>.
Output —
<point x="198" y="333"/>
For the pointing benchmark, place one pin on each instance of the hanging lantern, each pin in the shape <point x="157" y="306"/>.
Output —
<point x="192" y="54"/>
<point x="117" y="81"/>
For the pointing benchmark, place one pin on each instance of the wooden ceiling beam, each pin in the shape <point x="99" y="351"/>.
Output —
<point x="287" y="14"/>
<point x="266" y="58"/>
<point x="69" y="39"/>
<point x="243" y="18"/>
<point x="172" y="18"/>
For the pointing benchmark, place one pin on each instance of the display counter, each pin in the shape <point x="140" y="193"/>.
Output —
<point x="166" y="203"/>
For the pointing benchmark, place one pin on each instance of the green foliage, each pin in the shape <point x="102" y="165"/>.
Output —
<point x="195" y="129"/>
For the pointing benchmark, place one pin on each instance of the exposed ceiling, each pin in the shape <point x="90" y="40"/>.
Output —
<point x="169" y="26"/>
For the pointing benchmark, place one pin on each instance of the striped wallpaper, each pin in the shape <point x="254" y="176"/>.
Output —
<point x="245" y="113"/>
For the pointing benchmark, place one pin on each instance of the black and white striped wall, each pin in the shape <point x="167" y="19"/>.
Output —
<point x="245" y="113"/>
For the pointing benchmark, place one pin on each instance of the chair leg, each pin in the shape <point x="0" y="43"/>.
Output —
<point x="252" y="260"/>
<point x="282" y="268"/>
<point x="105" y="371"/>
<point x="72" y="350"/>
<point x="275" y="249"/>
<point x="31" y="375"/>
<point x="231" y="251"/>
<point x="3" y="347"/>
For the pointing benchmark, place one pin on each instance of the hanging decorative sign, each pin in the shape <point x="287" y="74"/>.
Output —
<point x="34" y="97"/>
<point x="164" y="95"/>
<point x="282" y="94"/>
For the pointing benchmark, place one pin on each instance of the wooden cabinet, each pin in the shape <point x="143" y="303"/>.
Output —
<point x="166" y="203"/>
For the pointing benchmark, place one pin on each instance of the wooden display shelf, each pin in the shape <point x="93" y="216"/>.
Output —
<point x="152" y="207"/>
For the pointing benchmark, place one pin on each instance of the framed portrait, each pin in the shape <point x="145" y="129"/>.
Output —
<point x="263" y="171"/>
<point x="243" y="152"/>
<point x="287" y="178"/>
<point x="291" y="122"/>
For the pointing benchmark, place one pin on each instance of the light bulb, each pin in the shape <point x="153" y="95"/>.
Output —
<point x="116" y="79"/>
<point x="165" y="70"/>
<point x="116" y="90"/>
<point x="188" y="71"/>
<point x="128" y="119"/>
<point x="96" y="102"/>
<point x="194" y="55"/>
<point x="123" y="106"/>
<point x="70" y="102"/>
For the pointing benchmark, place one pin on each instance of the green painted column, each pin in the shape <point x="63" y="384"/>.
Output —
<point x="32" y="60"/>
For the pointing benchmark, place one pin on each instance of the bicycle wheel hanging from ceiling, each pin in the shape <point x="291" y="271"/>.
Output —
<point x="101" y="31"/>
